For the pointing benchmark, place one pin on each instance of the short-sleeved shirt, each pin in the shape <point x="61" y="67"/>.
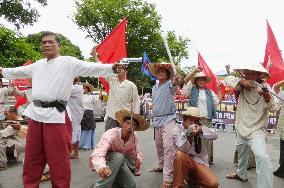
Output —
<point x="164" y="107"/>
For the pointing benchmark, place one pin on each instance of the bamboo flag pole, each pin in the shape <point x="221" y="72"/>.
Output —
<point x="169" y="53"/>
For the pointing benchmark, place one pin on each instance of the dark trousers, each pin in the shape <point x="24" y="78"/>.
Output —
<point x="280" y="170"/>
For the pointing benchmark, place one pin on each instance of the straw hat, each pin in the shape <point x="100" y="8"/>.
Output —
<point x="153" y="68"/>
<point x="192" y="111"/>
<point x="257" y="68"/>
<point x="89" y="86"/>
<point x="200" y="75"/>
<point x="142" y="123"/>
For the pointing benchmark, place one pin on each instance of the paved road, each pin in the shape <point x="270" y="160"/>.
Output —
<point x="82" y="177"/>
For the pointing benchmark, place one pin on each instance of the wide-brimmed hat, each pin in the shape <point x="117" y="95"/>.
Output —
<point x="200" y="75"/>
<point x="89" y="86"/>
<point x="153" y="68"/>
<point x="142" y="123"/>
<point x="192" y="111"/>
<point x="257" y="68"/>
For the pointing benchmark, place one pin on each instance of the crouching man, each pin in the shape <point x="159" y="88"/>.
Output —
<point x="11" y="144"/>
<point x="191" y="159"/>
<point x="118" y="153"/>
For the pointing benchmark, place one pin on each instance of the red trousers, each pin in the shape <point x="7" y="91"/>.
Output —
<point x="48" y="143"/>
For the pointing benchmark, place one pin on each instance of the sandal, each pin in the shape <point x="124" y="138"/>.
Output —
<point x="156" y="169"/>
<point x="45" y="178"/>
<point x="235" y="176"/>
<point x="166" y="184"/>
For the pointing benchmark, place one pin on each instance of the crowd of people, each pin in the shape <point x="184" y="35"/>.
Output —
<point x="61" y="120"/>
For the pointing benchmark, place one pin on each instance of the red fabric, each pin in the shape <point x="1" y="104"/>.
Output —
<point x="48" y="143"/>
<point x="273" y="61"/>
<point x="113" y="48"/>
<point x="213" y="82"/>
<point x="21" y="82"/>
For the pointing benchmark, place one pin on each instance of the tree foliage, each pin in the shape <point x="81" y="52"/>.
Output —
<point x="66" y="48"/>
<point x="20" y="12"/>
<point x="14" y="50"/>
<point x="99" y="17"/>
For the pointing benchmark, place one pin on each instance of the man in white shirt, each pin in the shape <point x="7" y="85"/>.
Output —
<point x="49" y="135"/>
<point x="123" y="95"/>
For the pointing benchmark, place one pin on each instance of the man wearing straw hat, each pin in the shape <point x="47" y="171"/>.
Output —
<point x="164" y="118"/>
<point x="191" y="158"/>
<point x="205" y="99"/>
<point x="118" y="153"/>
<point x="254" y="104"/>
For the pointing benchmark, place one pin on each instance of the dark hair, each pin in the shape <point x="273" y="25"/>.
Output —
<point x="129" y="118"/>
<point x="76" y="80"/>
<point x="49" y="33"/>
<point x="168" y="72"/>
<point x="12" y="109"/>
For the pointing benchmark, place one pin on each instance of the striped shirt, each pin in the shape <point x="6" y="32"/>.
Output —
<point x="163" y="103"/>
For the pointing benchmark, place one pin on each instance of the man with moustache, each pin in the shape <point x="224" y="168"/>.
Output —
<point x="49" y="136"/>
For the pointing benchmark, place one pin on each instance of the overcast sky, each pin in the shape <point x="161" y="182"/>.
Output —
<point x="223" y="31"/>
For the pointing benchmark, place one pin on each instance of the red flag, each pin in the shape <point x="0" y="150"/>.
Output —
<point x="113" y="48"/>
<point x="273" y="61"/>
<point x="22" y="82"/>
<point x="213" y="82"/>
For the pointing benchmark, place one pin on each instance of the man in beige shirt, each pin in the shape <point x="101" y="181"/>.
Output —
<point x="123" y="95"/>
<point x="254" y="105"/>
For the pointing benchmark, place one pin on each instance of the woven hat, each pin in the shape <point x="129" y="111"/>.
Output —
<point x="200" y="75"/>
<point x="142" y="123"/>
<point x="154" y="67"/>
<point x="89" y="86"/>
<point x="192" y="111"/>
<point x="256" y="68"/>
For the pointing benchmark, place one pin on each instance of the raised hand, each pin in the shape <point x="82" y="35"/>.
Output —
<point x="198" y="69"/>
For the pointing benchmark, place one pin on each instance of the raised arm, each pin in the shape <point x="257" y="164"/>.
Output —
<point x="277" y="86"/>
<point x="191" y="74"/>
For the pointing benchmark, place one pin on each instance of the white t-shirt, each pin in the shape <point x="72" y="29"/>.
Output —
<point x="202" y="100"/>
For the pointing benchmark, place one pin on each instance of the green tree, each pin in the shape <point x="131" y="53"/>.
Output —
<point x="14" y="50"/>
<point x="20" y="12"/>
<point x="99" y="17"/>
<point x="66" y="48"/>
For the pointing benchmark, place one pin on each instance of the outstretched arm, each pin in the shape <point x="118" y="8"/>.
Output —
<point x="17" y="72"/>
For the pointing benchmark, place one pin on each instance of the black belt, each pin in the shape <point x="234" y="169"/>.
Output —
<point x="60" y="105"/>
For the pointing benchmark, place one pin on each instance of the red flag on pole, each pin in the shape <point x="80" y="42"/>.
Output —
<point x="213" y="82"/>
<point x="24" y="83"/>
<point x="113" y="47"/>
<point x="273" y="61"/>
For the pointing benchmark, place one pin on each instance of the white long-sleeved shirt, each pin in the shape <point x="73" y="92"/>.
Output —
<point x="52" y="80"/>
<point x="90" y="101"/>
